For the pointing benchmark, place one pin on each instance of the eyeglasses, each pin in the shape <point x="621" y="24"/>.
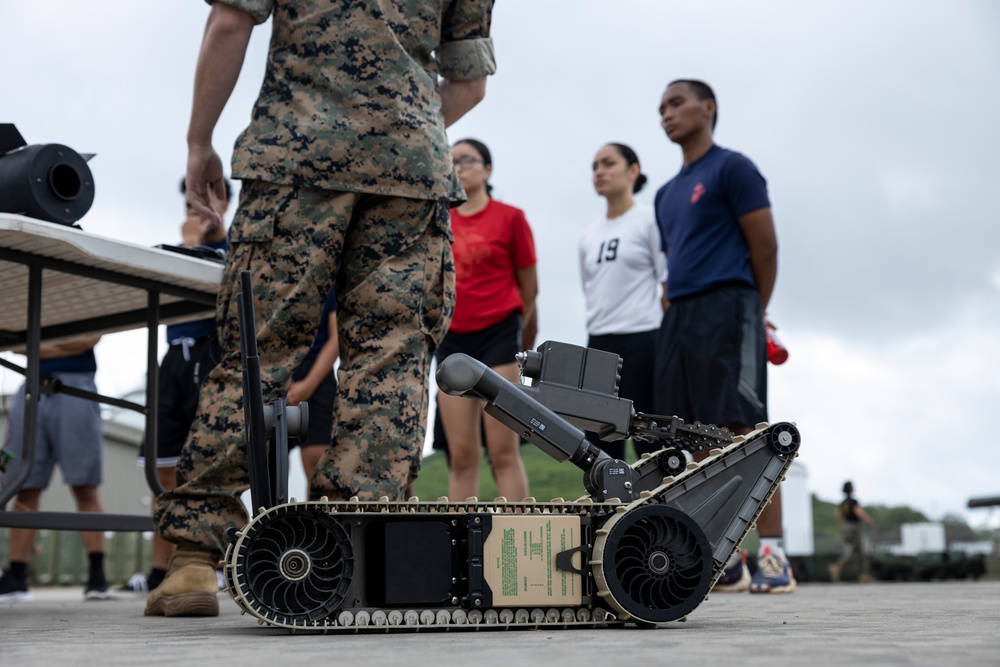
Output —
<point x="467" y="161"/>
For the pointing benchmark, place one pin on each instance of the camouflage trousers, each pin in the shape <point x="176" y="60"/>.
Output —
<point x="390" y="260"/>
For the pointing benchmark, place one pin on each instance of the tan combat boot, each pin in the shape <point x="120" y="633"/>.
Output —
<point x="189" y="588"/>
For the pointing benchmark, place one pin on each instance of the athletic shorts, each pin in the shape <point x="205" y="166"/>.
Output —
<point x="494" y="346"/>
<point x="320" y="408"/>
<point x="637" y="351"/>
<point x="68" y="433"/>
<point x="711" y="358"/>
<point x="182" y="372"/>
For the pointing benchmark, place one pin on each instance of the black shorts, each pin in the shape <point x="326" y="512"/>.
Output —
<point x="494" y="346"/>
<point x="711" y="358"/>
<point x="320" y="408"/>
<point x="179" y="382"/>
<point x="638" y="351"/>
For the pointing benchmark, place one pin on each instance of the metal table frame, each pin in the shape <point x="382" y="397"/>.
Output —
<point x="187" y="303"/>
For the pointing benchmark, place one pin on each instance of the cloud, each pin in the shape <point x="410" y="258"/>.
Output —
<point x="906" y="422"/>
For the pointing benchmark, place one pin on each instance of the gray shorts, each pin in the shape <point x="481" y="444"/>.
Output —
<point x="68" y="433"/>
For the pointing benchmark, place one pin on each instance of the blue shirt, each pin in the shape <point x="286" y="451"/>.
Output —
<point x="85" y="362"/>
<point x="200" y="328"/>
<point x="698" y="211"/>
<point x="323" y="333"/>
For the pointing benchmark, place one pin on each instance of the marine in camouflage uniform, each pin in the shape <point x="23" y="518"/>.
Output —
<point x="347" y="184"/>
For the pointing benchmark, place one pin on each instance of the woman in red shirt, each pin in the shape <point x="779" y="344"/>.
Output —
<point x="495" y="284"/>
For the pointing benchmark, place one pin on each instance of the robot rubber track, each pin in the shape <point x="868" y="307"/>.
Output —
<point x="644" y="546"/>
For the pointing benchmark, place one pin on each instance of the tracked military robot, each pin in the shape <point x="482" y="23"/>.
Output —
<point x="643" y="546"/>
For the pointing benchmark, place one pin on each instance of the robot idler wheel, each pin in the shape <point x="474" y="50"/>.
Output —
<point x="672" y="462"/>
<point x="784" y="439"/>
<point x="656" y="564"/>
<point x="297" y="564"/>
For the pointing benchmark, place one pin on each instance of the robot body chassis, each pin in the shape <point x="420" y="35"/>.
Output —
<point x="644" y="546"/>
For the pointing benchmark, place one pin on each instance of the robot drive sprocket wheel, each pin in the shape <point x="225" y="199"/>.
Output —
<point x="655" y="564"/>
<point x="293" y="564"/>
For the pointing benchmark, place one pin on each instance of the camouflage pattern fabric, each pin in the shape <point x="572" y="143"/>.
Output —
<point x="350" y="96"/>
<point x="390" y="260"/>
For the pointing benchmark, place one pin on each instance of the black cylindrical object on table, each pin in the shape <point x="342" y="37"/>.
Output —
<point x="49" y="182"/>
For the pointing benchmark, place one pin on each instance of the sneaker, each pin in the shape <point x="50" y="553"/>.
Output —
<point x="774" y="574"/>
<point x="736" y="578"/>
<point x="834" y="573"/>
<point x="137" y="583"/>
<point x="96" y="588"/>
<point x="13" y="590"/>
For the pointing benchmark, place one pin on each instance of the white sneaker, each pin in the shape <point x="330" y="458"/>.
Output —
<point x="137" y="583"/>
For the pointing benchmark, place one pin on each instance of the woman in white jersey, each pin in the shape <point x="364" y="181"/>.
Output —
<point x="623" y="268"/>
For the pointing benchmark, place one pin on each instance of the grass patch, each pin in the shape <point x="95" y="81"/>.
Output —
<point x="547" y="478"/>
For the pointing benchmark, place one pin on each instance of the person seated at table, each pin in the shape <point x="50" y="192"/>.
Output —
<point x="68" y="432"/>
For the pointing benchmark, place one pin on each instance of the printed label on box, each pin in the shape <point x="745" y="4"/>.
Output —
<point x="520" y="555"/>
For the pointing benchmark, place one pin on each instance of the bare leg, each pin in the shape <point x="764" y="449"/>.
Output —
<point x="88" y="500"/>
<point x="460" y="417"/>
<point x="311" y="454"/>
<point x="21" y="539"/>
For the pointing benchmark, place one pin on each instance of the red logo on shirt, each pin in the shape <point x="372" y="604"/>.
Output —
<point x="696" y="194"/>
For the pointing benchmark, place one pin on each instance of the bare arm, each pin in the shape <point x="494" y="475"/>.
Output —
<point x="220" y="61"/>
<point x="530" y="331"/>
<point x="758" y="229"/>
<point x="321" y="368"/>
<point x="527" y="285"/>
<point x="70" y="348"/>
<point x="459" y="97"/>
<point x="863" y="515"/>
<point x="663" y="297"/>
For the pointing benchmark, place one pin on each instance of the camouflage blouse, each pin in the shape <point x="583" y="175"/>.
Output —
<point x="350" y="96"/>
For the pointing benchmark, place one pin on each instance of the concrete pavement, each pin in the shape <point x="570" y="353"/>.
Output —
<point x="939" y="623"/>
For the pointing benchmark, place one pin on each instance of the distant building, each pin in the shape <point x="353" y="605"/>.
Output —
<point x="796" y="512"/>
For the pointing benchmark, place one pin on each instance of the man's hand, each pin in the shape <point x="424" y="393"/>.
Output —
<point x="298" y="392"/>
<point x="204" y="173"/>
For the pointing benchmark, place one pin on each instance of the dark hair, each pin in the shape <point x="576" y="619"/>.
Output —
<point x="630" y="159"/>
<point x="484" y="154"/>
<point x="848" y="488"/>
<point x="225" y="182"/>
<point x="703" y="92"/>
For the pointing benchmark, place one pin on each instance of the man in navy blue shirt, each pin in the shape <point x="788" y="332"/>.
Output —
<point x="68" y="433"/>
<point x="717" y="231"/>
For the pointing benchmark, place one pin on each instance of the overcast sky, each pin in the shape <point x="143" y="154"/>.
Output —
<point x="875" y="124"/>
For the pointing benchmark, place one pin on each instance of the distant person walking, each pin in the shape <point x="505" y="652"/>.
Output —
<point x="495" y="288"/>
<point x="624" y="271"/>
<point x="850" y="516"/>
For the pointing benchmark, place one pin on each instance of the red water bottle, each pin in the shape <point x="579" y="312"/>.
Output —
<point x="777" y="353"/>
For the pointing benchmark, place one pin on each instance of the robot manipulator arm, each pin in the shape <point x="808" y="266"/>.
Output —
<point x="461" y="375"/>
